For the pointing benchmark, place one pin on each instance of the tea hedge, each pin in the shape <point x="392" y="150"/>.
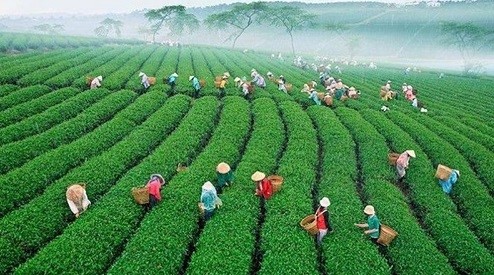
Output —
<point x="471" y="196"/>
<point x="7" y="89"/>
<point x="22" y="95"/>
<point x="215" y="243"/>
<point x="412" y="245"/>
<point x="177" y="217"/>
<point x="99" y="173"/>
<point x="113" y="218"/>
<point x="52" y="116"/>
<point x="26" y="109"/>
<point x="344" y="250"/>
<point x="56" y="162"/>
<point x="18" y="153"/>
<point x="434" y="208"/>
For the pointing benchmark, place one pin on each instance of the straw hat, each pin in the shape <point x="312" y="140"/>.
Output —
<point x="237" y="79"/>
<point x="227" y="74"/>
<point x="225" y="77"/>
<point x="160" y="177"/>
<point x="191" y="77"/>
<point x="257" y="176"/>
<point x="281" y="76"/>
<point x="100" y="78"/>
<point x="253" y="70"/>
<point x="223" y="168"/>
<point x="208" y="186"/>
<point x="457" y="172"/>
<point x="369" y="210"/>
<point x="324" y="202"/>
<point x="174" y="75"/>
<point x="389" y="81"/>
<point x="351" y="89"/>
<point x="141" y="74"/>
<point x="410" y="153"/>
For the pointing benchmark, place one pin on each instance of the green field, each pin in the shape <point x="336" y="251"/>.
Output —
<point x="55" y="132"/>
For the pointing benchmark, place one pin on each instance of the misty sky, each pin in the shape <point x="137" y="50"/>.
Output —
<point x="17" y="7"/>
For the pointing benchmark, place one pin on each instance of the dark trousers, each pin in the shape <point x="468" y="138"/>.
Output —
<point x="208" y="214"/>
<point x="152" y="202"/>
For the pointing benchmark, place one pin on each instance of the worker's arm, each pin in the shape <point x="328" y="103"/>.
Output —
<point x="361" y="225"/>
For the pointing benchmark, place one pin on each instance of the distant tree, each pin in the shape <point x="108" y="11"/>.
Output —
<point x="239" y="18"/>
<point x="291" y="18"/>
<point x="108" y="25"/>
<point x="175" y="17"/>
<point x="469" y="39"/>
<point x="49" y="28"/>
<point x="146" y="31"/>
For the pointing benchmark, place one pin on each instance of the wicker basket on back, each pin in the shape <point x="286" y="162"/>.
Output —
<point x="152" y="80"/>
<point x="386" y="235"/>
<point x="140" y="194"/>
<point x="309" y="223"/>
<point x="392" y="158"/>
<point x="276" y="181"/>
<point x="443" y="172"/>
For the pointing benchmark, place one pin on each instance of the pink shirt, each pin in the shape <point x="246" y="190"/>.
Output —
<point x="154" y="188"/>
<point x="403" y="160"/>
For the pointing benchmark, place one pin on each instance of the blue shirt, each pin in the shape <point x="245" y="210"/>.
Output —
<point x="447" y="185"/>
<point x="208" y="198"/>
<point x="196" y="84"/>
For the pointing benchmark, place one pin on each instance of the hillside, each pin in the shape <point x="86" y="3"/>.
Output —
<point x="59" y="132"/>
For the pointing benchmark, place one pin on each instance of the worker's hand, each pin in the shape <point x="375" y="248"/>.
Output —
<point x="77" y="215"/>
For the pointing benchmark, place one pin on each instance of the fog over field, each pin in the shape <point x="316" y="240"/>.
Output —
<point x="400" y="32"/>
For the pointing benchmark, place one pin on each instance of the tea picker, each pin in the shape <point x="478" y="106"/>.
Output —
<point x="196" y="85"/>
<point x="156" y="181"/>
<point x="77" y="198"/>
<point x="447" y="177"/>
<point x="224" y="176"/>
<point x="402" y="163"/>
<point x="372" y="224"/>
<point x="322" y="219"/>
<point x="96" y="82"/>
<point x="209" y="200"/>
<point x="264" y="187"/>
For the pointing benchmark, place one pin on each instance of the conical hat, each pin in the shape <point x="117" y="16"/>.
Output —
<point x="223" y="168"/>
<point x="160" y="177"/>
<point x="257" y="176"/>
<point x="208" y="186"/>
<point x="410" y="153"/>
<point x="324" y="202"/>
<point x="369" y="210"/>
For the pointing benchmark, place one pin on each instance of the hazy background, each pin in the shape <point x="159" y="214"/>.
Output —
<point x="401" y="32"/>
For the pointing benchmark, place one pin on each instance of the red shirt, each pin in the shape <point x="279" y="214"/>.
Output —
<point x="264" y="188"/>
<point x="321" y="221"/>
<point x="154" y="187"/>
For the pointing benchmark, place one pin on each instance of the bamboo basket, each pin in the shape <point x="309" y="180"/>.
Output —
<point x="443" y="172"/>
<point x="320" y="96"/>
<point x="328" y="100"/>
<point x="386" y="235"/>
<point x="288" y="87"/>
<point x="140" y="194"/>
<point x="152" y="80"/>
<point x="392" y="158"/>
<point x="309" y="224"/>
<point x="89" y="79"/>
<point x="276" y="181"/>
<point x="202" y="83"/>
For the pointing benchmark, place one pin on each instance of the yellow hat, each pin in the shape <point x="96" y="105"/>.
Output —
<point x="223" y="168"/>
<point x="257" y="176"/>
<point x="369" y="210"/>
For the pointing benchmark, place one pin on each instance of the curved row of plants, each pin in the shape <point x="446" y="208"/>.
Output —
<point x="22" y="95"/>
<point x="30" y="108"/>
<point x="433" y="207"/>
<point x="57" y="162"/>
<point x="231" y="226"/>
<point x="67" y="77"/>
<point x="41" y="75"/>
<point x="52" y="116"/>
<point x="114" y="218"/>
<point x="14" y="73"/>
<point x="6" y="89"/>
<point x="345" y="250"/>
<point x="130" y="69"/>
<point x="20" y="227"/>
<point x="470" y="195"/>
<point x="177" y="217"/>
<point x="390" y="203"/>
<point x="18" y="153"/>
<point x="294" y="250"/>
<point x="108" y="68"/>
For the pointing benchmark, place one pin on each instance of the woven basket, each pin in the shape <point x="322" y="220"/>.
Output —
<point x="288" y="87"/>
<point x="276" y="181"/>
<point x="392" y="158"/>
<point x="383" y="93"/>
<point x="202" y="83"/>
<point x="386" y="235"/>
<point x="140" y="194"/>
<point x="328" y="100"/>
<point x="217" y="84"/>
<point x="89" y="79"/>
<point x="309" y="224"/>
<point x="443" y="172"/>
<point x="152" y="80"/>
